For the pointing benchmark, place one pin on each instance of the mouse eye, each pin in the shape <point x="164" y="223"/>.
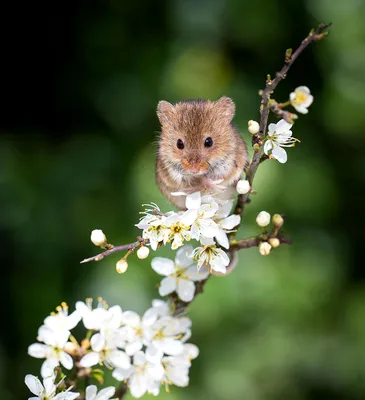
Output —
<point x="180" y="144"/>
<point x="208" y="142"/>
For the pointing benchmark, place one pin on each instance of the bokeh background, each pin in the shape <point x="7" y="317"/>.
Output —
<point x="79" y="89"/>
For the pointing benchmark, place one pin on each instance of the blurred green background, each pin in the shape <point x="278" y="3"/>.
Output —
<point x="80" y="86"/>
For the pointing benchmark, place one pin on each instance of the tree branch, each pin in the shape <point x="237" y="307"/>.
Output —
<point x="115" y="249"/>
<point x="314" y="35"/>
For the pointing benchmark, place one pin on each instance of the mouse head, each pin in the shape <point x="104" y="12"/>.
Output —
<point x="196" y="135"/>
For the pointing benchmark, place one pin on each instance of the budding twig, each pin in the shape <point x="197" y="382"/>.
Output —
<point x="314" y="35"/>
<point x="115" y="249"/>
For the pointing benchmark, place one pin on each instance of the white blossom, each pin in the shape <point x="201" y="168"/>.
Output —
<point x="47" y="390"/>
<point x="52" y="349"/>
<point x="203" y="224"/>
<point x="180" y="275"/>
<point x="301" y="99"/>
<point x="279" y="135"/>
<point x="153" y="226"/>
<point x="137" y="331"/>
<point x="274" y="242"/>
<point x="169" y="333"/>
<point x="225" y="222"/>
<point x="62" y="321"/>
<point x="98" y="237"/>
<point x="211" y="256"/>
<point x="243" y="186"/>
<point x="145" y="374"/>
<point x="143" y="252"/>
<point x="121" y="266"/>
<point x="253" y="127"/>
<point x="104" y="394"/>
<point x="179" y="228"/>
<point x="264" y="248"/>
<point x="263" y="219"/>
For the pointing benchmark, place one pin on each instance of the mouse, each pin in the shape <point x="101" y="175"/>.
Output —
<point x="199" y="149"/>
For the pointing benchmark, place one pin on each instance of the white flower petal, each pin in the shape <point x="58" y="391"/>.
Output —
<point x="283" y="126"/>
<point x="169" y="346"/>
<point x="132" y="348"/>
<point x="280" y="154"/>
<point x="66" y="360"/>
<point x="271" y="129"/>
<point x="183" y="257"/>
<point x="34" y="384"/>
<point x="268" y="146"/>
<point x="138" y="386"/>
<point x="153" y="355"/>
<point x="301" y="108"/>
<point x="185" y="290"/>
<point x="208" y="228"/>
<point x="230" y="222"/>
<point x="119" y="359"/>
<point x="195" y="275"/>
<point x="189" y="217"/>
<point x="121" y="374"/>
<point x="91" y="392"/>
<point x="90" y="359"/>
<point x="222" y="239"/>
<point x="97" y="342"/>
<point x="168" y="285"/>
<point x="163" y="266"/>
<point x="193" y="201"/>
<point x="156" y="371"/>
<point x="131" y="318"/>
<point x="38" y="350"/>
<point x="105" y="394"/>
<point x="48" y="366"/>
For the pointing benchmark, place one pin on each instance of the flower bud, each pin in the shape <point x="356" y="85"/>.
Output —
<point x="98" y="237"/>
<point x="275" y="242"/>
<point x="122" y="266"/>
<point x="243" y="186"/>
<point x="264" y="248"/>
<point x="263" y="219"/>
<point x="253" y="127"/>
<point x="143" y="252"/>
<point x="277" y="220"/>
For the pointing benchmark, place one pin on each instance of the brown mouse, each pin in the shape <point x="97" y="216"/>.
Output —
<point x="199" y="149"/>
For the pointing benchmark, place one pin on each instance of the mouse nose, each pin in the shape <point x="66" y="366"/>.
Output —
<point x="194" y="166"/>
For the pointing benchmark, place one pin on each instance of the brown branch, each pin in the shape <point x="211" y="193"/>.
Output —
<point x="314" y="35"/>
<point x="121" y="391"/>
<point x="115" y="249"/>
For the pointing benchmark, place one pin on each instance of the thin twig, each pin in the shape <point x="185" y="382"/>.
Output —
<point x="115" y="249"/>
<point x="314" y="35"/>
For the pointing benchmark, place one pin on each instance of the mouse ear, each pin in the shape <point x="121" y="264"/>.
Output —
<point x="225" y="108"/>
<point x="165" y="112"/>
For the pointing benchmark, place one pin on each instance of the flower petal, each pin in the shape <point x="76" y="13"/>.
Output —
<point x="230" y="222"/>
<point x="185" y="290"/>
<point x="283" y="126"/>
<point x="91" y="392"/>
<point x="168" y="285"/>
<point x="189" y="217"/>
<point x="90" y="359"/>
<point x="48" y="366"/>
<point x="66" y="360"/>
<point x="222" y="239"/>
<point x="195" y="275"/>
<point x="138" y="385"/>
<point x="183" y="257"/>
<point x="34" y="384"/>
<point x="280" y="154"/>
<point x="268" y="146"/>
<point x="131" y="318"/>
<point x="193" y="201"/>
<point x="163" y="266"/>
<point x="119" y="359"/>
<point x="105" y="394"/>
<point x="38" y="350"/>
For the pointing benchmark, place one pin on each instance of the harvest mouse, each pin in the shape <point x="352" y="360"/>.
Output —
<point x="199" y="149"/>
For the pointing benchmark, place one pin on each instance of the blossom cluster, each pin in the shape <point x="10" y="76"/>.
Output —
<point x="206" y="220"/>
<point x="145" y="351"/>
